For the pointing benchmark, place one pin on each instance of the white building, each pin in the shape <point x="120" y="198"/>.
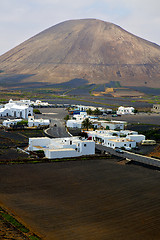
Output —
<point x="96" y="133"/>
<point x="10" y="123"/>
<point x="125" y="110"/>
<point x="80" y="116"/>
<point x="156" y="108"/>
<point x="116" y="139"/>
<point x="128" y="132"/>
<point x="121" y="143"/>
<point x="62" y="147"/>
<point x="112" y="125"/>
<point x="137" y="138"/>
<point x="21" y="102"/>
<point x="32" y="122"/>
<point x="102" y="136"/>
<point x="16" y="110"/>
<point x="74" y="123"/>
<point x="85" y="108"/>
<point x="39" y="103"/>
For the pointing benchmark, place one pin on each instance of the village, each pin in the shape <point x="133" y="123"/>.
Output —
<point x="85" y="127"/>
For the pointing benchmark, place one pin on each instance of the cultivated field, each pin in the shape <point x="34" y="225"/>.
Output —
<point x="84" y="200"/>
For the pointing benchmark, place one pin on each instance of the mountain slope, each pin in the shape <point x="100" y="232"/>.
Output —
<point x="89" y="49"/>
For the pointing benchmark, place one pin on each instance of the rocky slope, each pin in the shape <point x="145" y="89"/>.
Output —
<point x="89" y="49"/>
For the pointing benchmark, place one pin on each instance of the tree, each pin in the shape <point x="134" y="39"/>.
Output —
<point x="22" y="123"/>
<point x="36" y="111"/>
<point x="135" y="111"/>
<point x="86" y="123"/>
<point x="89" y="111"/>
<point x="66" y="117"/>
<point x="97" y="112"/>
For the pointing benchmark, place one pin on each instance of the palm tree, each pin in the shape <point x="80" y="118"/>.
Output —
<point x="86" y="123"/>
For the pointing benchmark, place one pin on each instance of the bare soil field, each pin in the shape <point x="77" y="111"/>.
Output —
<point x="84" y="200"/>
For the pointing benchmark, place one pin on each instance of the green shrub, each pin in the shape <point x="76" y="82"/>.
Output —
<point x="34" y="237"/>
<point x="14" y="222"/>
<point x="37" y="111"/>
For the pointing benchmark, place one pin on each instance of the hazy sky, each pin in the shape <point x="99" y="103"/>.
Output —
<point x="22" y="19"/>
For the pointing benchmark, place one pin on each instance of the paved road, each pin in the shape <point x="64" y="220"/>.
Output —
<point x="130" y="155"/>
<point x="56" y="116"/>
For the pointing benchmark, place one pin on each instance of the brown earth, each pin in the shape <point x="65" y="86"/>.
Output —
<point x="94" y="199"/>
<point x="89" y="49"/>
<point x="156" y="152"/>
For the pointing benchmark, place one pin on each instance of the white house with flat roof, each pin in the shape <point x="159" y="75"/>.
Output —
<point x="128" y="132"/>
<point x="103" y="132"/>
<point x="120" y="143"/>
<point x="156" y="108"/>
<point x="125" y="110"/>
<point x="116" y="139"/>
<point x="11" y="122"/>
<point x="32" y="122"/>
<point x="112" y="125"/>
<point x="72" y="123"/>
<point x="80" y="116"/>
<point x="137" y="138"/>
<point x="39" y="103"/>
<point x="84" y="108"/>
<point x="62" y="147"/>
<point x="102" y="136"/>
<point x="21" y="102"/>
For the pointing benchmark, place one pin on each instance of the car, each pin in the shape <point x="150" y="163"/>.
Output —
<point x="119" y="150"/>
<point x="128" y="148"/>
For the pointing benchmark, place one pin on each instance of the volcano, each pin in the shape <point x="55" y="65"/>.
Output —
<point x="92" y="50"/>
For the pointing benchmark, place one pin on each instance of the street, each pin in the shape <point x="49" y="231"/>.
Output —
<point x="130" y="155"/>
<point x="57" y="125"/>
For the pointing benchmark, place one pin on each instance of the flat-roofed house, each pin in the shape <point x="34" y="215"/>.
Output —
<point x="62" y="147"/>
<point x="125" y="110"/>
<point x="32" y="122"/>
<point x="156" y="108"/>
<point x="120" y="143"/>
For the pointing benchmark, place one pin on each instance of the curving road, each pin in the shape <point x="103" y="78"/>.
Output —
<point x="57" y="125"/>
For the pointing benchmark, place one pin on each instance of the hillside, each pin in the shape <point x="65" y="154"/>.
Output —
<point x="90" y="49"/>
